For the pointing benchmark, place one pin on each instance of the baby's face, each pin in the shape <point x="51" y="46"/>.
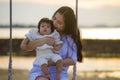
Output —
<point x="45" y="28"/>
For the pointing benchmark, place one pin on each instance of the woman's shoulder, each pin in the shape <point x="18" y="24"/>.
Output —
<point x="68" y="38"/>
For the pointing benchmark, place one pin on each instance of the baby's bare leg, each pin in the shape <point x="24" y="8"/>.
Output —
<point x="59" y="65"/>
<point x="44" y="68"/>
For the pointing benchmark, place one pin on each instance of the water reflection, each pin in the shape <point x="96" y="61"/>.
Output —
<point x="87" y="33"/>
<point x="100" y="33"/>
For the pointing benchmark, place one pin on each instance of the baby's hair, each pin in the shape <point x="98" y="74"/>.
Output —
<point x="46" y="20"/>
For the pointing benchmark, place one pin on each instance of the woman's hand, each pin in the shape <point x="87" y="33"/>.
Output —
<point x="50" y="41"/>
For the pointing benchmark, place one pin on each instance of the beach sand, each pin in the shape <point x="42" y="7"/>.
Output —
<point x="83" y="75"/>
<point x="107" y="70"/>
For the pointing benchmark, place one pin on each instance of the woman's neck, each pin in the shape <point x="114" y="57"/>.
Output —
<point x="61" y="33"/>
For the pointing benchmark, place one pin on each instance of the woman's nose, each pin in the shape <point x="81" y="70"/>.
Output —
<point x="54" y="21"/>
<point x="45" y="27"/>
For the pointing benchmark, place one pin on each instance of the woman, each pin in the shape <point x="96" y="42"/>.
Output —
<point x="64" y="21"/>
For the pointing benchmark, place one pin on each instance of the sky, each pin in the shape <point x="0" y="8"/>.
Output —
<point x="90" y="12"/>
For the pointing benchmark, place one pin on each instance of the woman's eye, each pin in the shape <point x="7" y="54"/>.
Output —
<point x="48" y="26"/>
<point x="54" y="18"/>
<point x="42" y="26"/>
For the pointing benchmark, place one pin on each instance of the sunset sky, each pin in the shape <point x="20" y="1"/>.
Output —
<point x="91" y="12"/>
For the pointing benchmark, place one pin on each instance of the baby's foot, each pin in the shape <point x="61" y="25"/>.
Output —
<point x="48" y="76"/>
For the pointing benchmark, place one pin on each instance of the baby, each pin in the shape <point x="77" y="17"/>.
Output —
<point x="46" y="52"/>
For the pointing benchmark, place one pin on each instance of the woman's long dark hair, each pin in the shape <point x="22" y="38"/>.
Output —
<point x="71" y="28"/>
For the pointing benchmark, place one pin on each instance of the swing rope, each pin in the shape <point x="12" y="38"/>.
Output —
<point x="75" y="67"/>
<point x="10" y="40"/>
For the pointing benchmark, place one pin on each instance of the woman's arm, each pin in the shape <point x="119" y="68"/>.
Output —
<point x="66" y="62"/>
<point x="31" y="45"/>
<point x="24" y="44"/>
<point x="71" y="54"/>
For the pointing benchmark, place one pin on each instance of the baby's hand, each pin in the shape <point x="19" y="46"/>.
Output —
<point x="57" y="47"/>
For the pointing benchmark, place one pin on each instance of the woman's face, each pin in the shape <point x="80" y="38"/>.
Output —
<point x="58" y="22"/>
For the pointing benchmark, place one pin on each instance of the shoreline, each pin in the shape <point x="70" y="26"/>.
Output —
<point x="86" y="33"/>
